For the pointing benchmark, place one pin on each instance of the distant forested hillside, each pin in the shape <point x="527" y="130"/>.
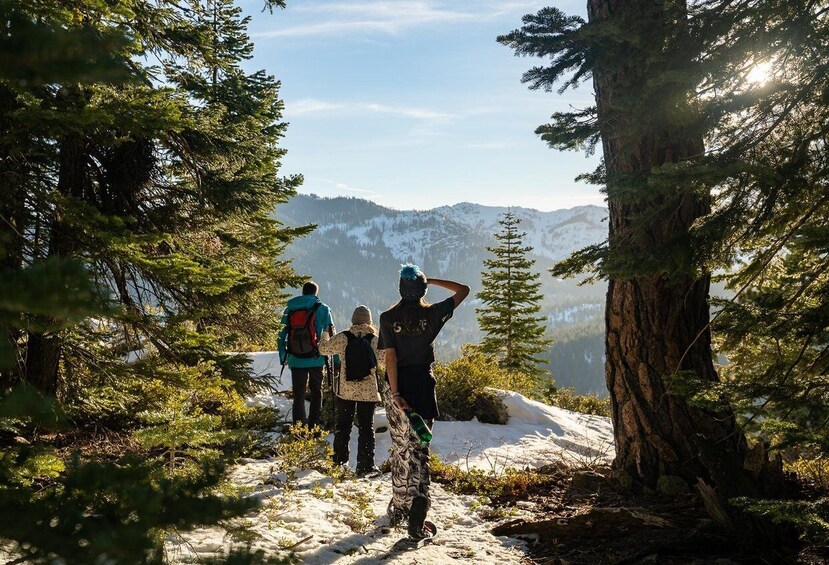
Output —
<point x="358" y="247"/>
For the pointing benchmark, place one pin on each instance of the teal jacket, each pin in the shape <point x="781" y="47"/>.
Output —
<point x="323" y="321"/>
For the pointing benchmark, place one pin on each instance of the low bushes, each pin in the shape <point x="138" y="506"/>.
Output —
<point x="462" y="384"/>
<point x="567" y="399"/>
<point x="302" y="448"/>
<point x="508" y="484"/>
<point x="812" y="470"/>
<point x="462" y="390"/>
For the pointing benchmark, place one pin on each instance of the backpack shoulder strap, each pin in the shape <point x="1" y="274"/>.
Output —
<point x="349" y="336"/>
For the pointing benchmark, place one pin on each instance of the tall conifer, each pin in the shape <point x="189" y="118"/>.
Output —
<point x="748" y="78"/>
<point x="161" y="179"/>
<point x="657" y="311"/>
<point x="769" y="229"/>
<point x="511" y="297"/>
<point x="134" y="215"/>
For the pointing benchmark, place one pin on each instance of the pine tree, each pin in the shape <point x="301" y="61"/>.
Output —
<point x="164" y="191"/>
<point x="657" y="311"/>
<point x="755" y="88"/>
<point x="513" y="332"/>
<point x="134" y="214"/>
<point x="769" y="228"/>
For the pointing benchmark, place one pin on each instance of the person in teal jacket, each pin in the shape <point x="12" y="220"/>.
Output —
<point x="306" y="371"/>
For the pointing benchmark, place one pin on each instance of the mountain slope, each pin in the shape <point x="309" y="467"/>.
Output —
<point x="356" y="252"/>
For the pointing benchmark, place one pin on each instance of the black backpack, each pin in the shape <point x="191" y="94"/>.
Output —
<point x="303" y="340"/>
<point x="359" y="357"/>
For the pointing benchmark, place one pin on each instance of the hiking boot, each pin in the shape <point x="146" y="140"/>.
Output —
<point x="371" y="472"/>
<point x="417" y="516"/>
<point x="429" y="530"/>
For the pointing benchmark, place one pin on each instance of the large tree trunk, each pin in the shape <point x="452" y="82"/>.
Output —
<point x="656" y="324"/>
<point x="12" y="225"/>
<point x="44" y="346"/>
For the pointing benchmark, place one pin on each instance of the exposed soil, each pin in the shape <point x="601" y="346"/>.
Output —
<point x="598" y="524"/>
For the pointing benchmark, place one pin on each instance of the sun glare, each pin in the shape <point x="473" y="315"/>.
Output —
<point x="759" y="74"/>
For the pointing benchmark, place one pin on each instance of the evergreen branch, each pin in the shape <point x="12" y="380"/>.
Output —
<point x="770" y="254"/>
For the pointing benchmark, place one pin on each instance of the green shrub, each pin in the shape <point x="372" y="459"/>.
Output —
<point x="813" y="470"/>
<point x="25" y="467"/>
<point x="567" y="399"/>
<point x="264" y="418"/>
<point x="490" y="409"/>
<point x="807" y="518"/>
<point x="178" y="431"/>
<point x="462" y="384"/>
<point x="302" y="448"/>
<point x="252" y="432"/>
<point x="113" y="512"/>
<point x="510" y="483"/>
<point x="359" y="514"/>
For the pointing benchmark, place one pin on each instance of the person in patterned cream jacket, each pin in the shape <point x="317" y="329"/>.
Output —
<point x="349" y="396"/>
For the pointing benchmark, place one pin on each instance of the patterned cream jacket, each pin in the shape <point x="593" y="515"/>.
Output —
<point x="365" y="390"/>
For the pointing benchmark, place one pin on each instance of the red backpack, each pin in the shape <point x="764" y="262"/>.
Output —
<point x="303" y="341"/>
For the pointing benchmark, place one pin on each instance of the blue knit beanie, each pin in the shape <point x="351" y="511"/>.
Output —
<point x="412" y="283"/>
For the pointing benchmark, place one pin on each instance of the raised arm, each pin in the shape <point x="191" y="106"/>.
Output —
<point x="461" y="290"/>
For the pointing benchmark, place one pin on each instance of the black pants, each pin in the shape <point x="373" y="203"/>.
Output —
<point x="342" y="432"/>
<point x="300" y="378"/>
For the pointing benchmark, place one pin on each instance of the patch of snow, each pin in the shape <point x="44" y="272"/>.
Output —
<point x="318" y="511"/>
<point x="323" y="513"/>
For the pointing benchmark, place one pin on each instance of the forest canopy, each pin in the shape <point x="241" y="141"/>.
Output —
<point x="140" y="169"/>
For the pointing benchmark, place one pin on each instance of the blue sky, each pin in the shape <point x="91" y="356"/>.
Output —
<point x="413" y="104"/>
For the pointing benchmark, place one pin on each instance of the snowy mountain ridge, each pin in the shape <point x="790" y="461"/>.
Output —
<point x="407" y="233"/>
<point x="553" y="234"/>
<point x="357" y="249"/>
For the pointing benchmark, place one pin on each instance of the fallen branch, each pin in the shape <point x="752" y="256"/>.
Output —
<point x="598" y="522"/>
<point x="300" y="542"/>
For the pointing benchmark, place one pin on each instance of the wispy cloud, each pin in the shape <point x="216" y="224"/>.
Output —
<point x="312" y="106"/>
<point x="343" y="186"/>
<point x="490" y="145"/>
<point x="336" y="187"/>
<point x="418" y="113"/>
<point x="315" y="106"/>
<point x="390" y="17"/>
<point x="373" y="16"/>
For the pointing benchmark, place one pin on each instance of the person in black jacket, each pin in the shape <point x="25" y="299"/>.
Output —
<point x="407" y="334"/>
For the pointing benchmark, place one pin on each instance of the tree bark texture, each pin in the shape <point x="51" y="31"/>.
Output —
<point x="656" y="325"/>
<point x="12" y="225"/>
<point x="43" y="351"/>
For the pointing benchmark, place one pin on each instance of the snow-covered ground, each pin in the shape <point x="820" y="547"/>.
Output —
<point x="345" y="522"/>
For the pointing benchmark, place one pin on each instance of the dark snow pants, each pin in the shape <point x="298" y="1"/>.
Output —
<point x="300" y="378"/>
<point x="342" y="432"/>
